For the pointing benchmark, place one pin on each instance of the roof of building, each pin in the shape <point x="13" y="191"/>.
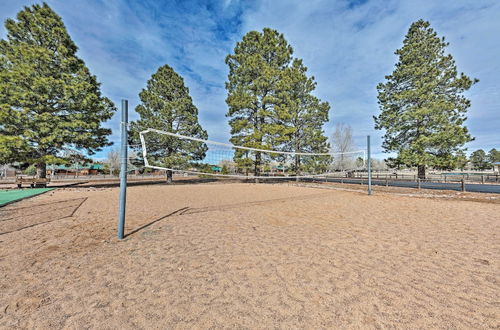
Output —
<point x="80" y="167"/>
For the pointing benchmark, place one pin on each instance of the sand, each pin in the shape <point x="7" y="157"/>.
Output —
<point x="249" y="256"/>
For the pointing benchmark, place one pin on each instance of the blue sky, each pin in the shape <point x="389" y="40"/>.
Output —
<point x="347" y="45"/>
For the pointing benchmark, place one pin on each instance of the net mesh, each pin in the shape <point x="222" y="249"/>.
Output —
<point x="168" y="151"/>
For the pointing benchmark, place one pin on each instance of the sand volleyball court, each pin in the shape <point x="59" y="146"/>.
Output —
<point x="250" y="256"/>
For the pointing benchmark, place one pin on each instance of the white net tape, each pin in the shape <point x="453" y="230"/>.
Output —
<point x="163" y="150"/>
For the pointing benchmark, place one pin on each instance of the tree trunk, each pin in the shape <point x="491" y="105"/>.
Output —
<point x="41" y="170"/>
<point x="297" y="157"/>
<point x="258" y="158"/>
<point x="169" y="176"/>
<point x="297" y="167"/>
<point x="421" y="172"/>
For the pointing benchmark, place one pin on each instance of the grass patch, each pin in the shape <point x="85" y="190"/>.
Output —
<point x="14" y="195"/>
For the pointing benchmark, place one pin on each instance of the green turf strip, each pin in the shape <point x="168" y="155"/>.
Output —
<point x="8" y="196"/>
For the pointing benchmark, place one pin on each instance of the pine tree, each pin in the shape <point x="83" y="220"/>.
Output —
<point x="255" y="70"/>
<point x="166" y="105"/>
<point x="271" y="105"/>
<point x="494" y="156"/>
<point x="301" y="117"/>
<point x="49" y="101"/>
<point x="479" y="160"/>
<point x="461" y="160"/>
<point x="422" y="104"/>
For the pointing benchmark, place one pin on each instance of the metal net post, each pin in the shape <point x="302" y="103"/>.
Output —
<point x="123" y="170"/>
<point x="369" y="166"/>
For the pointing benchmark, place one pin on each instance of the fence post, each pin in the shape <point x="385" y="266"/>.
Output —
<point x="482" y="179"/>
<point x="123" y="170"/>
<point x="418" y="183"/>
<point x="463" y="185"/>
<point x="369" y="166"/>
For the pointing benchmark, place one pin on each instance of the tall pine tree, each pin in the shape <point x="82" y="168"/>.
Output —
<point x="166" y="105"/>
<point x="422" y="103"/>
<point x="255" y="70"/>
<point x="49" y="101"/>
<point x="301" y="116"/>
<point x="270" y="102"/>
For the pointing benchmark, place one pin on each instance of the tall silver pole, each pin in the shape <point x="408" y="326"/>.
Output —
<point x="369" y="166"/>
<point x="123" y="170"/>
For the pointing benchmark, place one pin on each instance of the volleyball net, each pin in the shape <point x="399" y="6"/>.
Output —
<point x="167" y="151"/>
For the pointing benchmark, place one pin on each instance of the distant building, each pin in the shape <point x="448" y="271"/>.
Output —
<point x="496" y="167"/>
<point x="7" y="171"/>
<point x="75" y="169"/>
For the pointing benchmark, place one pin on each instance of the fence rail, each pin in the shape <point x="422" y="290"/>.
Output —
<point x="451" y="178"/>
<point x="97" y="177"/>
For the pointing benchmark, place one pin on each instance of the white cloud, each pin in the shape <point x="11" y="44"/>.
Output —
<point x="347" y="46"/>
<point x="350" y="50"/>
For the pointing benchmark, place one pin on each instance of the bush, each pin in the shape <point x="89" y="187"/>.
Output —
<point x="30" y="170"/>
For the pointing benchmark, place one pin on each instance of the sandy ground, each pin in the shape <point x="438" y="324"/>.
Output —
<point x="249" y="256"/>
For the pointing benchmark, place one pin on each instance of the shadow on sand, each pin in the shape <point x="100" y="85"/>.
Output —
<point x="176" y="212"/>
<point x="116" y="183"/>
